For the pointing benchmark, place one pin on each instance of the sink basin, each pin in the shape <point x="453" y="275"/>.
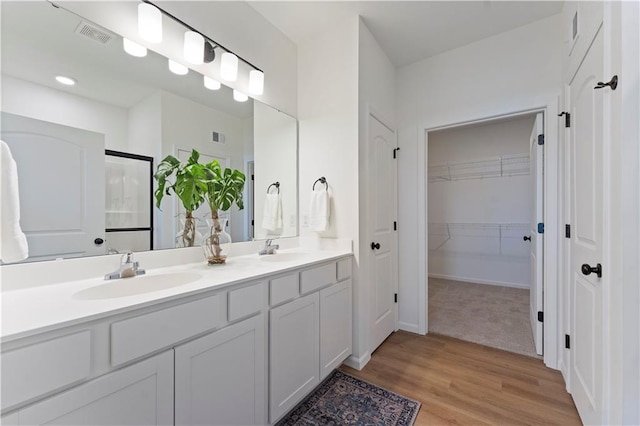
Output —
<point x="136" y="285"/>
<point x="283" y="257"/>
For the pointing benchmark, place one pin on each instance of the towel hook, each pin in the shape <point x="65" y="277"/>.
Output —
<point x="276" y="184"/>
<point x="321" y="180"/>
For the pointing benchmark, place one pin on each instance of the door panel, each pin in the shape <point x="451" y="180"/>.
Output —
<point x="63" y="215"/>
<point x="382" y="212"/>
<point x="586" y="245"/>
<point x="536" y="155"/>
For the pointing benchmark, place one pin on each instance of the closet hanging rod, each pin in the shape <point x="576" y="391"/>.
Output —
<point x="321" y="180"/>
<point x="276" y="184"/>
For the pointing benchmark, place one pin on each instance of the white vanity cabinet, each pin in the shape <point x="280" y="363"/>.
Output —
<point x="220" y="379"/>
<point x="310" y="336"/>
<point x="140" y="394"/>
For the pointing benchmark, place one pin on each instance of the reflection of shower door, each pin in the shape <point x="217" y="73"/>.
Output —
<point x="128" y="202"/>
<point x="61" y="185"/>
<point x="203" y="212"/>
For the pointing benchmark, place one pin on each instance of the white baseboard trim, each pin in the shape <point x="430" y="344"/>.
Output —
<point x="412" y="328"/>
<point x="479" y="281"/>
<point x="358" y="363"/>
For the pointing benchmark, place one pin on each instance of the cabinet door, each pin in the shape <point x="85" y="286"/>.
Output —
<point x="221" y="377"/>
<point x="293" y="353"/>
<point x="335" y="326"/>
<point x="141" y="394"/>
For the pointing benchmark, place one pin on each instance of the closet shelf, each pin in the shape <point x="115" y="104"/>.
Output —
<point x="508" y="165"/>
<point x="495" y="239"/>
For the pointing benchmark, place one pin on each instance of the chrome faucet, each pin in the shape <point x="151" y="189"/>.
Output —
<point x="268" y="248"/>
<point x="128" y="268"/>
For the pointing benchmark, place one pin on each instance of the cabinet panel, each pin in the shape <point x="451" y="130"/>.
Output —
<point x="344" y="269"/>
<point x="141" y="335"/>
<point x="318" y="277"/>
<point x="293" y="353"/>
<point x="284" y="288"/>
<point x="335" y="326"/>
<point x="221" y="377"/>
<point x="44" y="367"/>
<point x="141" y="394"/>
<point x="246" y="301"/>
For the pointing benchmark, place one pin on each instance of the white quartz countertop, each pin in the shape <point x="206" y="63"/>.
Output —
<point x="35" y="310"/>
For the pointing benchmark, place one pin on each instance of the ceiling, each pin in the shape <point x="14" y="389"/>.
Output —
<point x="408" y="31"/>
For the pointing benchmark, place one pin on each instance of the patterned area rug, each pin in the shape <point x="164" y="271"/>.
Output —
<point x="345" y="400"/>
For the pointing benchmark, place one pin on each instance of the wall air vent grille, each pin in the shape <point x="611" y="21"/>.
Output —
<point x="94" y="32"/>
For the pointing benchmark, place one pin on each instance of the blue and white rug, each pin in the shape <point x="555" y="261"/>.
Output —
<point x="346" y="400"/>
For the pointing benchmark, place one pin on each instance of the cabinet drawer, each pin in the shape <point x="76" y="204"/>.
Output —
<point x="246" y="301"/>
<point x="284" y="288"/>
<point x="138" y="336"/>
<point x="43" y="367"/>
<point x="344" y="269"/>
<point x="318" y="277"/>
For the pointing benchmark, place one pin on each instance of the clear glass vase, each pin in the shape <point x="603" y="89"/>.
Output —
<point x="187" y="234"/>
<point x="217" y="244"/>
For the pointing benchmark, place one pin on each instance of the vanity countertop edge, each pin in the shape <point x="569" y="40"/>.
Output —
<point x="38" y="310"/>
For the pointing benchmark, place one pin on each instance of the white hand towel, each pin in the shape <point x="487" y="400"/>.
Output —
<point x="272" y="215"/>
<point x="319" y="211"/>
<point x="13" y="242"/>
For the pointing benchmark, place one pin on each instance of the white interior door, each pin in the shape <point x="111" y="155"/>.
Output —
<point x="536" y="153"/>
<point x="587" y="236"/>
<point x="62" y="216"/>
<point x="383" y="247"/>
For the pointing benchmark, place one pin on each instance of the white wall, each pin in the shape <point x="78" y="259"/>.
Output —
<point x="514" y="71"/>
<point x="328" y="136"/>
<point x="235" y="25"/>
<point x="56" y="106"/>
<point x="275" y="149"/>
<point x="491" y="255"/>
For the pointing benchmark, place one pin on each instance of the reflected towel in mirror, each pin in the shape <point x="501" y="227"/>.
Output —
<point x="13" y="242"/>
<point x="272" y="215"/>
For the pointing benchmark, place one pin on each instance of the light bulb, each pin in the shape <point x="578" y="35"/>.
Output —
<point x="229" y="66"/>
<point x="193" y="47"/>
<point x="149" y="23"/>
<point x="256" y="82"/>
<point x="211" y="84"/>
<point x="134" y="49"/>
<point x="67" y="81"/>
<point x="239" y="96"/>
<point x="177" y="68"/>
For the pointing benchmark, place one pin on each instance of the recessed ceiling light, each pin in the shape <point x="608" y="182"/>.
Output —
<point x="68" y="81"/>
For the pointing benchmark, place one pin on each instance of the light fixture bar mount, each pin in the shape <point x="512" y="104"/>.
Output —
<point x="189" y="27"/>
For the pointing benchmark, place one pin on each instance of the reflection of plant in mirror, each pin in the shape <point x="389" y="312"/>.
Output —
<point x="189" y="185"/>
<point x="224" y="188"/>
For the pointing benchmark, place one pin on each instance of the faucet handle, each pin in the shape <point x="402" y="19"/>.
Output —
<point x="126" y="258"/>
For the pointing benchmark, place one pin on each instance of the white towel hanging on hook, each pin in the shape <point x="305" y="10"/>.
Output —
<point x="319" y="207"/>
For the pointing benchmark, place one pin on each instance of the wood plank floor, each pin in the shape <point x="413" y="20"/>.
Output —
<point x="468" y="384"/>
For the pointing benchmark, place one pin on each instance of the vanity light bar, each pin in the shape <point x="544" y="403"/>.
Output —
<point x="227" y="70"/>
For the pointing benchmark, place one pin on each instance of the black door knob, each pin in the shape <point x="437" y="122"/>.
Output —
<point x="588" y="269"/>
<point x="98" y="241"/>
<point x="527" y="238"/>
<point x="375" y="246"/>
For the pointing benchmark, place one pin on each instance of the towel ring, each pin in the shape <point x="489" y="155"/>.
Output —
<point x="276" y="184"/>
<point x="321" y="180"/>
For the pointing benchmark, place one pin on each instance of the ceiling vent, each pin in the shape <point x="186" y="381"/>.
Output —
<point x="94" y="32"/>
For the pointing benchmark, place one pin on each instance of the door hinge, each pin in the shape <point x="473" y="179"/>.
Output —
<point x="541" y="228"/>
<point x="395" y="298"/>
<point x="395" y="152"/>
<point x="251" y="222"/>
<point x="567" y="231"/>
<point x="567" y="341"/>
<point x="540" y="316"/>
<point x="395" y="225"/>
<point x="252" y="177"/>
<point x="567" y="118"/>
<point x="540" y="139"/>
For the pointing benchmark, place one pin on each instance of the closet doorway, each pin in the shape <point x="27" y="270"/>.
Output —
<point x="484" y="249"/>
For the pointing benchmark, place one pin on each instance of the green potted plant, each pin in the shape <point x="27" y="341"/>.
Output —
<point x="224" y="188"/>
<point x="188" y="182"/>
